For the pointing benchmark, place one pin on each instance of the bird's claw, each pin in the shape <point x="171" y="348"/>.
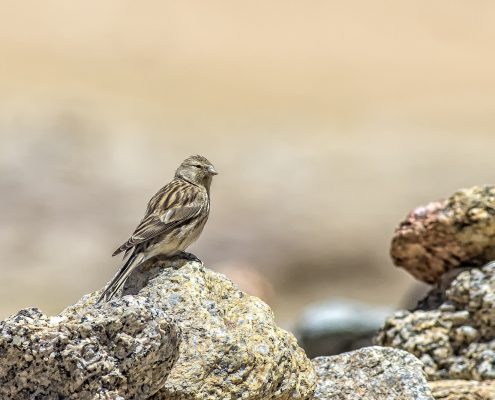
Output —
<point x="190" y="257"/>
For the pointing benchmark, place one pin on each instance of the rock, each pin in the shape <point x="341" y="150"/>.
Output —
<point x="371" y="373"/>
<point x="230" y="345"/>
<point x="447" y="234"/>
<point x="452" y="330"/>
<point x="339" y="325"/>
<point x="95" y="352"/>
<point x="463" y="390"/>
<point x="181" y="332"/>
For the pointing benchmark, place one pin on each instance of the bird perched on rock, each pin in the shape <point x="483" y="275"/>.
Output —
<point x="174" y="219"/>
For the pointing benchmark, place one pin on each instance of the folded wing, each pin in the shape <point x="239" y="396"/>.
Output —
<point x="168" y="209"/>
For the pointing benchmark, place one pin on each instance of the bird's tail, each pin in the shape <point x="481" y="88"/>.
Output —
<point x="118" y="280"/>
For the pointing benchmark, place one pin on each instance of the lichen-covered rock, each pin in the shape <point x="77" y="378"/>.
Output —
<point x="230" y="346"/>
<point x="99" y="352"/>
<point x="453" y="329"/>
<point x="371" y="373"/>
<point x="179" y="331"/>
<point x="463" y="390"/>
<point x="448" y="234"/>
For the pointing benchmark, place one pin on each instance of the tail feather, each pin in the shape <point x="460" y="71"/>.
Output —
<point x="119" y="279"/>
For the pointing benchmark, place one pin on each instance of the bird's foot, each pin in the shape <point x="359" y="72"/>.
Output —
<point x="189" y="257"/>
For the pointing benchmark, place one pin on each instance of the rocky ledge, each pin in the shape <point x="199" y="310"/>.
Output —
<point x="179" y="331"/>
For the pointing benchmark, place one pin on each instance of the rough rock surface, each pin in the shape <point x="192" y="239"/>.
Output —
<point x="181" y="332"/>
<point x="463" y="390"/>
<point x="230" y="347"/>
<point x="453" y="329"/>
<point x="444" y="235"/>
<point x="87" y="353"/>
<point x="371" y="373"/>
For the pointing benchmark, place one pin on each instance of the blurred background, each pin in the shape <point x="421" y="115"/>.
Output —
<point x="327" y="120"/>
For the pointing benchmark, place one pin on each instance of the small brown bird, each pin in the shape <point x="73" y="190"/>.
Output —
<point x="174" y="219"/>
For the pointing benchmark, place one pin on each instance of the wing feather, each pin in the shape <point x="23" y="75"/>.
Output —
<point x="171" y="206"/>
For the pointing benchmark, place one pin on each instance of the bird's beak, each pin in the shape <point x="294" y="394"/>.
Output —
<point x="212" y="171"/>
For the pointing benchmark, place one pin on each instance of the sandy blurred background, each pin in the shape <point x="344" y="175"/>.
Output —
<point x="327" y="120"/>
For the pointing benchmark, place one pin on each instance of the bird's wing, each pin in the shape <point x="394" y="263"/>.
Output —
<point x="166" y="210"/>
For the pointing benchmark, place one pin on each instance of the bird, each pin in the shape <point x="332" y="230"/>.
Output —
<point x="174" y="219"/>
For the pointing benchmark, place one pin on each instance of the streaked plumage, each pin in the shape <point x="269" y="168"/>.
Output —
<point x="174" y="219"/>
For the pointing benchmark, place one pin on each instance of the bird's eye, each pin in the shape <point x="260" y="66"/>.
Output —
<point x="197" y="166"/>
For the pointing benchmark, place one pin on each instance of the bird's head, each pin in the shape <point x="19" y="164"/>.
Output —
<point x="197" y="170"/>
